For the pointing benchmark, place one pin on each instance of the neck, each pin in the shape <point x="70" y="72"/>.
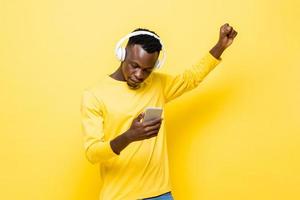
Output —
<point x="118" y="75"/>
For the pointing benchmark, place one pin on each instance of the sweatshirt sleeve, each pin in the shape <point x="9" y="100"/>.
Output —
<point x="96" y="149"/>
<point x="176" y="85"/>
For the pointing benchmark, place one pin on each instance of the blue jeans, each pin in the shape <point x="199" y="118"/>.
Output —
<point x="165" y="196"/>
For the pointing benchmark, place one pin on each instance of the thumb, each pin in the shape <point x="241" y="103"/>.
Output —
<point x="141" y="116"/>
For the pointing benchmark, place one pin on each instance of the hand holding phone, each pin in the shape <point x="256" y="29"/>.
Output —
<point x="145" y="126"/>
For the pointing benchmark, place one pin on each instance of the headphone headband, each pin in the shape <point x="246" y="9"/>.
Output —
<point x="120" y="51"/>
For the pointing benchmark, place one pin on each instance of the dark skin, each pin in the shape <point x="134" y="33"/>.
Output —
<point x="136" y="67"/>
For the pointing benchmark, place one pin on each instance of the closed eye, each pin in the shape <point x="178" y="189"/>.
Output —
<point x="148" y="70"/>
<point x="134" y="65"/>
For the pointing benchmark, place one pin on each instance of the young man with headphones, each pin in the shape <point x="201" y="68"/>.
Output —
<point x="132" y="153"/>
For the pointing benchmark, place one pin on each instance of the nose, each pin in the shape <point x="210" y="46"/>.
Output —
<point x="139" y="74"/>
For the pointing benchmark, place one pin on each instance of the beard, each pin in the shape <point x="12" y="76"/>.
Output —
<point x="132" y="84"/>
<point x="134" y="87"/>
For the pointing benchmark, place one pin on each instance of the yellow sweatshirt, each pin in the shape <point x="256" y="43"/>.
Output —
<point x="108" y="109"/>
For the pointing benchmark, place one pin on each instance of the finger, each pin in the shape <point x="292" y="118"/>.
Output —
<point x="223" y="28"/>
<point x="231" y="34"/>
<point x="230" y="31"/>
<point x="235" y="34"/>
<point x="152" y="134"/>
<point x="225" y="25"/>
<point x="154" y="127"/>
<point x="152" y="122"/>
<point x="226" y="29"/>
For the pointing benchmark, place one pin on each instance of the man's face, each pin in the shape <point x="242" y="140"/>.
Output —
<point x="137" y="65"/>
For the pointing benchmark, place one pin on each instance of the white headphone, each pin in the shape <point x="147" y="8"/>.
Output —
<point x="121" y="51"/>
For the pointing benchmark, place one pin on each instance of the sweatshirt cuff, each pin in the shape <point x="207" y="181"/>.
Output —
<point x="212" y="59"/>
<point x="100" y="152"/>
<point x="208" y="62"/>
<point x="108" y="150"/>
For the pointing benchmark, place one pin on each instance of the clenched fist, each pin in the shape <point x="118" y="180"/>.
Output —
<point x="227" y="34"/>
<point x="226" y="37"/>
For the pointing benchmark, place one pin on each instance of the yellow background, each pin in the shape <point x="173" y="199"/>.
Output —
<point x="234" y="137"/>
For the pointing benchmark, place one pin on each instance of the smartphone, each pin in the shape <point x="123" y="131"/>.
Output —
<point x="152" y="113"/>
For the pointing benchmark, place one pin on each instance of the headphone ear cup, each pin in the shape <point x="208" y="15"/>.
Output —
<point x="121" y="53"/>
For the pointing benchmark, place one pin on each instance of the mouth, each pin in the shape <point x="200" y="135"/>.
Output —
<point x="133" y="83"/>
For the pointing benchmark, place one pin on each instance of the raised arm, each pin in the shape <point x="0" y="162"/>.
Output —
<point x="174" y="86"/>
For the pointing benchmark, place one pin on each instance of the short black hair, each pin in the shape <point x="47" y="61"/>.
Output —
<point x="148" y="42"/>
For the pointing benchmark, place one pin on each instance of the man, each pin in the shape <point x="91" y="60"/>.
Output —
<point x="132" y="153"/>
